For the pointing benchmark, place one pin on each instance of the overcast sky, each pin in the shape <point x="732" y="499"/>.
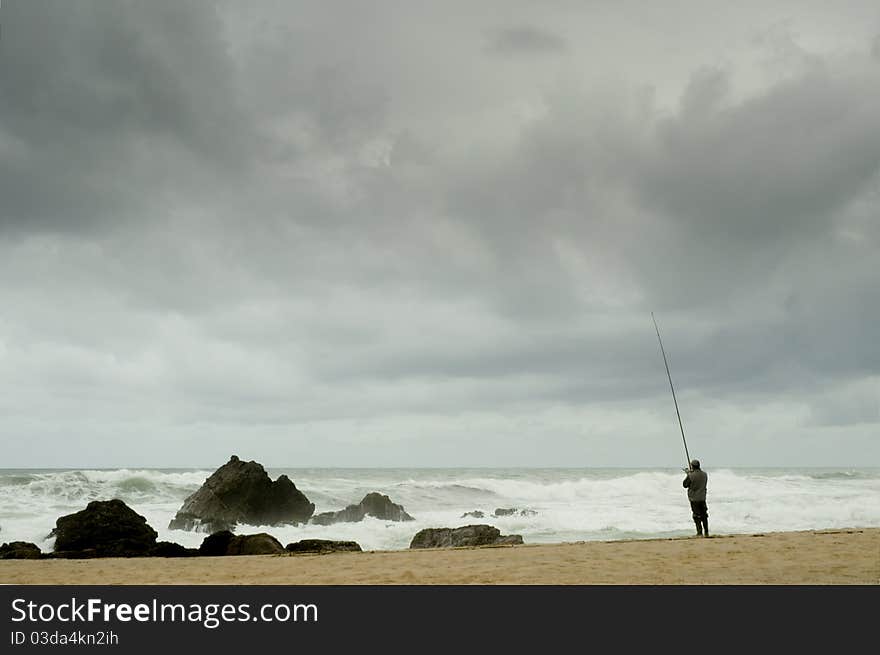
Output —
<point x="432" y="234"/>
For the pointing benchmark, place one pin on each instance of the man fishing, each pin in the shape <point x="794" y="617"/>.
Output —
<point x="696" y="479"/>
<point x="695" y="482"/>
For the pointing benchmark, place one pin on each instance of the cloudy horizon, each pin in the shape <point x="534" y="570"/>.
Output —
<point x="347" y="234"/>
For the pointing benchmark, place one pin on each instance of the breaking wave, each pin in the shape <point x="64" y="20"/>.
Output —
<point x="561" y="504"/>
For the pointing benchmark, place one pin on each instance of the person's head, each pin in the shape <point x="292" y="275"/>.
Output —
<point x="695" y="463"/>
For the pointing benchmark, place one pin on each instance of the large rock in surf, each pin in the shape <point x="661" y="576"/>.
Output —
<point x="322" y="546"/>
<point x="373" y="504"/>
<point x="226" y="543"/>
<point x="469" y="535"/>
<point x="105" y="528"/>
<point x="20" y="550"/>
<point x="242" y="492"/>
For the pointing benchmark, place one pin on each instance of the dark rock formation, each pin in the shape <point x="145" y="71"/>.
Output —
<point x="477" y="514"/>
<point x="242" y="492"/>
<point x="500" y="511"/>
<point x="171" y="549"/>
<point x="255" y="544"/>
<point x="226" y="543"/>
<point x="322" y="546"/>
<point x="216" y="543"/>
<point x="20" y="550"/>
<point x="469" y="535"/>
<point x="109" y="528"/>
<point x="373" y="504"/>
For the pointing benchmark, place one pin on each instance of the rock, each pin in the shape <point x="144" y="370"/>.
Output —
<point x="373" y="504"/>
<point x="255" y="544"/>
<point x="469" y="535"/>
<point x="242" y="492"/>
<point x="110" y="528"/>
<point x="322" y="546"/>
<point x="477" y="514"/>
<point x="216" y="543"/>
<point x="20" y="550"/>
<point x="171" y="549"/>
<point x="500" y="511"/>
<point x="226" y="543"/>
<point x="380" y="506"/>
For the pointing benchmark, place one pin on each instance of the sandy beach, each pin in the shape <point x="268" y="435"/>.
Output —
<point x="840" y="557"/>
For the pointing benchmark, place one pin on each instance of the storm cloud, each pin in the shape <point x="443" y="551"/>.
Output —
<point x="525" y="40"/>
<point x="339" y="234"/>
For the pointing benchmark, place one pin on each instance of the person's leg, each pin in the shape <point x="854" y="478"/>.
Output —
<point x="704" y="518"/>
<point x="696" y="513"/>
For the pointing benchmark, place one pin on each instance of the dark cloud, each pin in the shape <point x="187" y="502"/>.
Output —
<point x="773" y="166"/>
<point x="331" y="223"/>
<point x="325" y="94"/>
<point x="105" y="108"/>
<point x="525" y="40"/>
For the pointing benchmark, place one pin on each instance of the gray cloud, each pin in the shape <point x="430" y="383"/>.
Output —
<point x="772" y="166"/>
<point x="101" y="105"/>
<point x="322" y="227"/>
<point x="525" y="40"/>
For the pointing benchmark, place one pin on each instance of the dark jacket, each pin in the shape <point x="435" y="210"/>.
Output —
<point x="696" y="482"/>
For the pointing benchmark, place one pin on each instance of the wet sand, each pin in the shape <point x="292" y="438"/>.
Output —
<point x="839" y="557"/>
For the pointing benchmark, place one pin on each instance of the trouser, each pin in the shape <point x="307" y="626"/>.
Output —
<point x="701" y="516"/>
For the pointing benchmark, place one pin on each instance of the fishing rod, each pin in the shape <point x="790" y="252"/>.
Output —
<point x="677" y="413"/>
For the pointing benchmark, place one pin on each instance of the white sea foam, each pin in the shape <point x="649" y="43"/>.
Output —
<point x="564" y="504"/>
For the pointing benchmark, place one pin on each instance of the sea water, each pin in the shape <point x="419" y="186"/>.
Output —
<point x="561" y="504"/>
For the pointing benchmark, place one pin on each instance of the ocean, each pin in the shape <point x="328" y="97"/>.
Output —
<point x="562" y="504"/>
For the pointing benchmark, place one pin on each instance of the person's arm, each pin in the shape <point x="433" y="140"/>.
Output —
<point x="687" y="481"/>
